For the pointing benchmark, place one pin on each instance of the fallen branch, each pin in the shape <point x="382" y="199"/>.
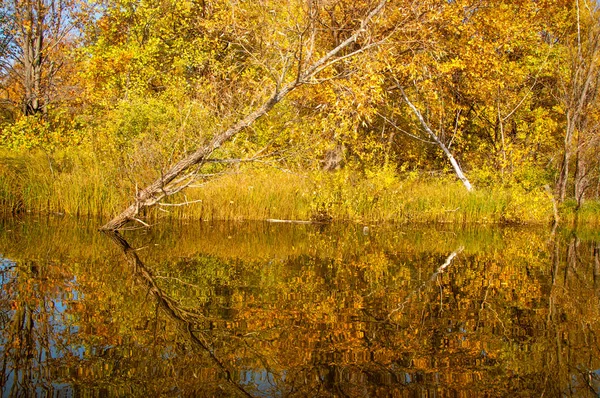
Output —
<point x="141" y="222"/>
<point x="187" y="202"/>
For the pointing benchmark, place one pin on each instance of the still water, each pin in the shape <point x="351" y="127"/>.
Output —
<point x="280" y="310"/>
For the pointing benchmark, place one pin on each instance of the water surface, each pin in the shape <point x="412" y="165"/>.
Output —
<point x="279" y="310"/>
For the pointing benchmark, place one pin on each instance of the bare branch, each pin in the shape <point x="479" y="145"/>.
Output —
<point x="186" y="203"/>
<point x="404" y="131"/>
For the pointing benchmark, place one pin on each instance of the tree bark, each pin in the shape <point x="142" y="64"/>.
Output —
<point x="580" y="179"/>
<point x="563" y="177"/>
<point x="33" y="31"/>
<point x="161" y="188"/>
<point x="32" y="103"/>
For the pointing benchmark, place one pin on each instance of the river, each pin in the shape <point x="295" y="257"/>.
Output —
<point x="283" y="310"/>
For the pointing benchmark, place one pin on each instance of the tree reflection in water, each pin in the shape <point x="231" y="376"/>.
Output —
<point x="258" y="310"/>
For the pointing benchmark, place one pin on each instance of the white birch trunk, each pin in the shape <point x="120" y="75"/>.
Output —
<point x="457" y="169"/>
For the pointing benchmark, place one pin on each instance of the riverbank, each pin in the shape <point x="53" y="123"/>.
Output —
<point x="87" y="186"/>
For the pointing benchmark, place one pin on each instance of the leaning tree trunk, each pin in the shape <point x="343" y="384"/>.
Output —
<point x="182" y="173"/>
<point x="457" y="169"/>
<point x="168" y="183"/>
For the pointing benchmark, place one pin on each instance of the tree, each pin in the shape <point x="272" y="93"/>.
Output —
<point x="457" y="169"/>
<point x="33" y="33"/>
<point x="469" y="85"/>
<point x="579" y="84"/>
<point x="297" y="62"/>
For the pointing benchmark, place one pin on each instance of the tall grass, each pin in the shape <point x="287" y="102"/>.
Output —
<point x="246" y="195"/>
<point x="75" y="185"/>
<point x="81" y="185"/>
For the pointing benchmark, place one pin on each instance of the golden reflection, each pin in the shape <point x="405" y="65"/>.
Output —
<point x="262" y="310"/>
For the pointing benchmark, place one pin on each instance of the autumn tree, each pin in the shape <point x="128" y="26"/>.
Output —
<point x="288" y="57"/>
<point x="469" y="85"/>
<point x="579" y="79"/>
<point x="35" y="34"/>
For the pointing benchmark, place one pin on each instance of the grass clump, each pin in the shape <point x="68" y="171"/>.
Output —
<point x="72" y="184"/>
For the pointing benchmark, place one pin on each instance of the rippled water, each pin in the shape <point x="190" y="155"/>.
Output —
<point x="277" y="310"/>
